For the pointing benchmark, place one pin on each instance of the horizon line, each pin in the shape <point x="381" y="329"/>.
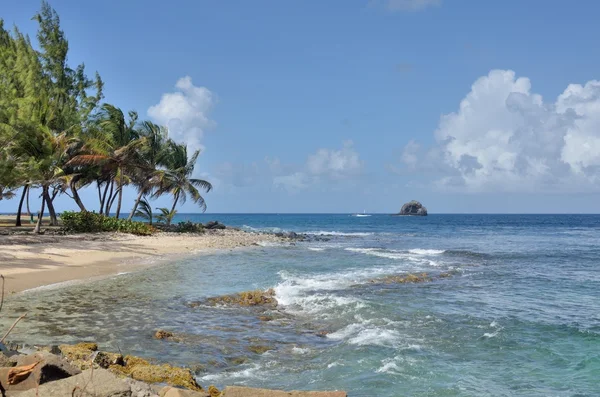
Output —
<point x="351" y="213"/>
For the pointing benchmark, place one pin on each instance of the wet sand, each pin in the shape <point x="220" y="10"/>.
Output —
<point x="30" y="261"/>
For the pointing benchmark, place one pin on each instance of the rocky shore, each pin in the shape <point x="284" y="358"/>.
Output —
<point x="86" y="370"/>
<point x="83" y="370"/>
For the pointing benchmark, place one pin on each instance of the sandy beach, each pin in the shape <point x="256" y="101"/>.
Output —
<point x="30" y="261"/>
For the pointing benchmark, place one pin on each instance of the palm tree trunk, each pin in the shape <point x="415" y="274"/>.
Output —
<point x="38" y="225"/>
<point x="103" y="198"/>
<point x="120" y="193"/>
<point x="25" y="188"/>
<point x="135" y="205"/>
<point x="109" y="199"/>
<point x="53" y="220"/>
<point x="76" y="197"/>
<point x="27" y="199"/>
<point x="173" y="208"/>
<point x="112" y="200"/>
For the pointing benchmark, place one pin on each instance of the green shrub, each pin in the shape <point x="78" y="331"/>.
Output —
<point x="189" y="227"/>
<point x="91" y="222"/>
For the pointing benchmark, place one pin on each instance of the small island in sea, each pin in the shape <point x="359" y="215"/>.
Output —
<point x="413" y="208"/>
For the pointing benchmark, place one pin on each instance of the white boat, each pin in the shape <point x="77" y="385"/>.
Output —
<point x="362" y="215"/>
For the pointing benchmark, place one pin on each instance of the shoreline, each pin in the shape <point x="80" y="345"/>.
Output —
<point x="29" y="262"/>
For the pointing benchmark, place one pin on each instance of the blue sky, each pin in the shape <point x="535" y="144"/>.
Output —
<point x="345" y="106"/>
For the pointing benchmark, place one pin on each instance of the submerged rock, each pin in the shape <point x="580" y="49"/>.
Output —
<point x="402" y="279"/>
<point x="413" y="208"/>
<point x="246" y="298"/>
<point x="162" y="334"/>
<point x="167" y="335"/>
<point x="259" y="349"/>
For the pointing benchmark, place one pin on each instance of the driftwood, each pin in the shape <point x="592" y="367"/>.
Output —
<point x="18" y="374"/>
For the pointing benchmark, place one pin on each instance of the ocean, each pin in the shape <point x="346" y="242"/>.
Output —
<point x="510" y="307"/>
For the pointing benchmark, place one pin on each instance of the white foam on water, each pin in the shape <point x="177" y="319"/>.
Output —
<point x="394" y="365"/>
<point x="380" y="253"/>
<point x="316" y="249"/>
<point x="299" y="350"/>
<point x="367" y="335"/>
<point x="419" y="251"/>
<point x="389" y="366"/>
<point x="334" y="233"/>
<point x="266" y="229"/>
<point x="491" y="334"/>
<point x="271" y="244"/>
<point x="335" y="364"/>
<point x="252" y="372"/>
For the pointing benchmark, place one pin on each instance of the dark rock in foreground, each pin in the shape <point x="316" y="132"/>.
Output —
<point x="413" y="208"/>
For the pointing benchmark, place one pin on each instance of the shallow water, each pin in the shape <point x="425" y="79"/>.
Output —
<point x="516" y="313"/>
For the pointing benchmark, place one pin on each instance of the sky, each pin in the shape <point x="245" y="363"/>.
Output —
<point x="345" y="106"/>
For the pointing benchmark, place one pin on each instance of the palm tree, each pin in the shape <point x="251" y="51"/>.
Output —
<point x="166" y="216"/>
<point x="153" y="154"/>
<point x="112" y="144"/>
<point x="144" y="211"/>
<point x="176" y="179"/>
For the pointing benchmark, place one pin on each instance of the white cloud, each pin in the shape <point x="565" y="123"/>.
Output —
<point x="411" y="5"/>
<point x="410" y="153"/>
<point x="294" y="182"/>
<point x="324" y="165"/>
<point x="335" y="163"/>
<point x="185" y="112"/>
<point x="506" y="138"/>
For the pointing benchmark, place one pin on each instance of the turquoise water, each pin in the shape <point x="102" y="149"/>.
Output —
<point x="517" y="312"/>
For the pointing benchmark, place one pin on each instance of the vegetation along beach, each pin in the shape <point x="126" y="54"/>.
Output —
<point x="147" y="250"/>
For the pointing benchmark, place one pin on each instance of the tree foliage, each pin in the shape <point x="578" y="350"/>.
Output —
<point x="56" y="135"/>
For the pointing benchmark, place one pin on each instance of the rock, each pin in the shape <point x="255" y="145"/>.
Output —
<point x="92" y="382"/>
<point x="8" y="361"/>
<point x="140" y="369"/>
<point x="238" y="391"/>
<point x="80" y="355"/>
<point x="259" y="349"/>
<point x="162" y="334"/>
<point x="403" y="279"/>
<point x="175" y="392"/>
<point x="142" y="389"/>
<point x="247" y="298"/>
<point x="212" y="225"/>
<point x="105" y="359"/>
<point x="49" y="368"/>
<point x="413" y="208"/>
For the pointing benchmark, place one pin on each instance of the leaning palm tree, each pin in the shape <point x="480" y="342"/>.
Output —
<point x="153" y="155"/>
<point x="144" y="211"/>
<point x="166" y="216"/>
<point x="176" y="179"/>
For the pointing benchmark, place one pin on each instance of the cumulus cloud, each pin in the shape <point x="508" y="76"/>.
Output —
<point x="185" y="112"/>
<point x="504" y="137"/>
<point x="335" y="163"/>
<point x="324" y="165"/>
